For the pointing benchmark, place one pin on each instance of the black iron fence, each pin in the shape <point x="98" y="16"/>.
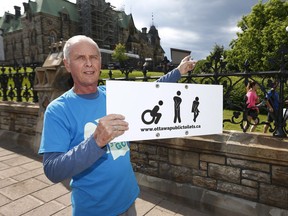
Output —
<point x="234" y="91"/>
<point x="16" y="84"/>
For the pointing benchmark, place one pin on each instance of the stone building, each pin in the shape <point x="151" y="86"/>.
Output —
<point x="28" y="36"/>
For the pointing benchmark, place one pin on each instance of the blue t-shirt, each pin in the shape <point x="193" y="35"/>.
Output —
<point x="109" y="186"/>
<point x="273" y="97"/>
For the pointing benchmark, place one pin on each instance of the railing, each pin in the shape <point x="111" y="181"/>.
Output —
<point x="19" y="85"/>
<point x="230" y="82"/>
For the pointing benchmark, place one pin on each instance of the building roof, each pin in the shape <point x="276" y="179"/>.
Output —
<point x="53" y="7"/>
<point x="124" y="19"/>
<point x="9" y="23"/>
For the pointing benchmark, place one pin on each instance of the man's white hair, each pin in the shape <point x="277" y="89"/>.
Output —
<point x="76" y="39"/>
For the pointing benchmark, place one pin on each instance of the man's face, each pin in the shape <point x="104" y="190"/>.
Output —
<point x="84" y="65"/>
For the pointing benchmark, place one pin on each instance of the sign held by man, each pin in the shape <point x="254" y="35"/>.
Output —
<point x="166" y="110"/>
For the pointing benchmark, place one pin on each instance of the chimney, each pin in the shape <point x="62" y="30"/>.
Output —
<point x="17" y="12"/>
<point x="144" y="30"/>
<point x="7" y="17"/>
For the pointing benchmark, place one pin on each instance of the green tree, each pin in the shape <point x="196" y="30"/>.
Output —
<point x="119" y="54"/>
<point x="263" y="33"/>
<point x="214" y="62"/>
<point x="199" y="66"/>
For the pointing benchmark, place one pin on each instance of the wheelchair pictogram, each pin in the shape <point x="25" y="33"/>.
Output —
<point x="154" y="114"/>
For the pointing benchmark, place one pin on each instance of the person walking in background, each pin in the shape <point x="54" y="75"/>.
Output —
<point x="251" y="100"/>
<point x="77" y="137"/>
<point x="272" y="103"/>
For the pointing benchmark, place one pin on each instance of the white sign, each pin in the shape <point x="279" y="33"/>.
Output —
<point x="157" y="110"/>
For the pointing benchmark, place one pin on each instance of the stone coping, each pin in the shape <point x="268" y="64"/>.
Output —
<point x="264" y="147"/>
<point x="19" y="107"/>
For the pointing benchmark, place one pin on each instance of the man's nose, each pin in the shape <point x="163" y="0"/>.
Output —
<point x="88" y="62"/>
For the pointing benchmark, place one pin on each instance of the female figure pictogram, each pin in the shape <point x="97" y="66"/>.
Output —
<point x="195" y="109"/>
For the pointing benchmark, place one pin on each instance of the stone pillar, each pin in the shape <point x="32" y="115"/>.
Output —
<point x="51" y="80"/>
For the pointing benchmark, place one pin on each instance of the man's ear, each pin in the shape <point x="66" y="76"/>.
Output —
<point x="67" y="65"/>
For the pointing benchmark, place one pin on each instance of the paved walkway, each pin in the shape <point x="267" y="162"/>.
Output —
<point x="24" y="190"/>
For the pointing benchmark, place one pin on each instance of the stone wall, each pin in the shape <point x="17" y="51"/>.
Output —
<point x="234" y="171"/>
<point x="18" y="117"/>
<point x="252" y="167"/>
<point x="18" y="122"/>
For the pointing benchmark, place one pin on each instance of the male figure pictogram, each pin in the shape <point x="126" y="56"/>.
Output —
<point x="177" y="102"/>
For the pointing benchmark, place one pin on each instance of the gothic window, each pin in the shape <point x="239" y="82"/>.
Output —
<point x="33" y="37"/>
<point x="22" y="47"/>
<point x="52" y="37"/>
<point x="64" y="17"/>
<point x="14" y="44"/>
<point x="13" y="47"/>
<point x="32" y="56"/>
<point x="149" y="39"/>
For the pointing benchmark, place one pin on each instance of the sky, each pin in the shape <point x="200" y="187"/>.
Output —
<point x="193" y="25"/>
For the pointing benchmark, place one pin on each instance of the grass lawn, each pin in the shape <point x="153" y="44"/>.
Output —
<point x="227" y="114"/>
<point x="118" y="73"/>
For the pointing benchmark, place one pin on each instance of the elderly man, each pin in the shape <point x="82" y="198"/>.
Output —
<point x="77" y="134"/>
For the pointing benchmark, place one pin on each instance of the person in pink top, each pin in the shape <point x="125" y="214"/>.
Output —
<point x="251" y="102"/>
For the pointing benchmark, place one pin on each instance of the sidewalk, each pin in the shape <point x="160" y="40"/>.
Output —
<point x="24" y="190"/>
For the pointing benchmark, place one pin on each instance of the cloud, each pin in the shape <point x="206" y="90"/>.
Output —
<point x="177" y="38"/>
<point x="195" y="25"/>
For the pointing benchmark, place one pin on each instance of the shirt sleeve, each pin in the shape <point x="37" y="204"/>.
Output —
<point x="60" y="166"/>
<point x="56" y="131"/>
<point x="172" y="76"/>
